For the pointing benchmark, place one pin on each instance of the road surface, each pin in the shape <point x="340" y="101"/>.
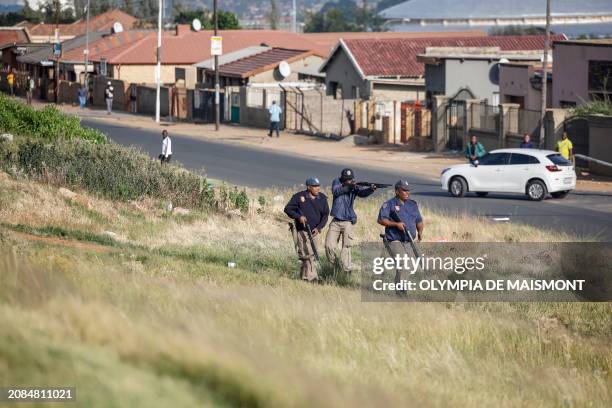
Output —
<point x="587" y="215"/>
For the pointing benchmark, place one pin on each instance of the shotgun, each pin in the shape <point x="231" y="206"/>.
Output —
<point x="312" y="243"/>
<point x="367" y="184"/>
<point x="395" y="217"/>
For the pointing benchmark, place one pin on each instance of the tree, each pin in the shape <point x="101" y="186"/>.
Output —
<point x="515" y="30"/>
<point x="128" y="7"/>
<point x="333" y="20"/>
<point x="343" y="15"/>
<point x="273" y="15"/>
<point x="226" y="19"/>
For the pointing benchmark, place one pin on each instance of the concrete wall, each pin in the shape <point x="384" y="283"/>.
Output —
<point x="342" y="71"/>
<point x="571" y="71"/>
<point x="474" y="75"/>
<point x="397" y="92"/>
<point x="69" y="92"/>
<point x="145" y="74"/>
<point x="600" y="138"/>
<point x="146" y="98"/>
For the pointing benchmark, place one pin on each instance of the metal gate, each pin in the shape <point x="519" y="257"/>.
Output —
<point x="204" y="105"/>
<point x="455" y="124"/>
<point x="578" y="132"/>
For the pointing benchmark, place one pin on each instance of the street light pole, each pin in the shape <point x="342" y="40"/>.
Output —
<point x="545" y="76"/>
<point x="217" y="112"/>
<point x="158" y="67"/>
<point x="86" y="46"/>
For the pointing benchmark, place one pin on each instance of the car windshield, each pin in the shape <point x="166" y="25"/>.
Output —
<point x="559" y="160"/>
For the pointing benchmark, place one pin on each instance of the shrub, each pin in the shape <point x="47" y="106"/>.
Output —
<point x="598" y="107"/>
<point x="48" y="123"/>
<point x="108" y="169"/>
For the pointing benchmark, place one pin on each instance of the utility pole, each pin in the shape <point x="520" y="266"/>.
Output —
<point x="545" y="76"/>
<point x="57" y="57"/>
<point x="86" y="47"/>
<point x="217" y="113"/>
<point x="158" y="67"/>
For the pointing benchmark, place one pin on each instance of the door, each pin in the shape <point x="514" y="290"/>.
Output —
<point x="455" y="122"/>
<point x="519" y="170"/>
<point x="490" y="174"/>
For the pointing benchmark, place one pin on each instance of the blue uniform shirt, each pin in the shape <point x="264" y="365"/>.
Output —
<point x="408" y="213"/>
<point x="344" y="198"/>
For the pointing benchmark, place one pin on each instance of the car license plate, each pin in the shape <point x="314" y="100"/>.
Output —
<point x="567" y="180"/>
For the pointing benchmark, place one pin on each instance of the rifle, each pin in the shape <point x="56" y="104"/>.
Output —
<point x="312" y="243"/>
<point x="294" y="236"/>
<point x="368" y="184"/>
<point x="395" y="216"/>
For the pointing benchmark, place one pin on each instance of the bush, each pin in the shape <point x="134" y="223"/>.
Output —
<point x="603" y="107"/>
<point x="48" y="123"/>
<point x="111" y="170"/>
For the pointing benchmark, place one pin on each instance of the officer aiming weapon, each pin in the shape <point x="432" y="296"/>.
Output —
<point x="395" y="217"/>
<point x="312" y="243"/>
<point x="367" y="184"/>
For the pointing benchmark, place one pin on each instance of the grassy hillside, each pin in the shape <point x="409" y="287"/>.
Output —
<point x="106" y="290"/>
<point x="152" y="316"/>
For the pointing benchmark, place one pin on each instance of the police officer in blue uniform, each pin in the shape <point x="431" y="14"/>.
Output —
<point x="401" y="208"/>
<point x="308" y="207"/>
<point x="344" y="218"/>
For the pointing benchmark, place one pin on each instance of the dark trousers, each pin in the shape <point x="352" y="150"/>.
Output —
<point x="165" y="159"/>
<point x="274" y="126"/>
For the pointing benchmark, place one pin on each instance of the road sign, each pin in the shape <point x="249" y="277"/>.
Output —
<point x="216" y="47"/>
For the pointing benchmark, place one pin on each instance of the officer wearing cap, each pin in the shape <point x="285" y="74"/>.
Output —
<point x="344" y="218"/>
<point x="308" y="207"/>
<point x="401" y="208"/>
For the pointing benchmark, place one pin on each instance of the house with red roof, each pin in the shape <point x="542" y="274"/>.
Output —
<point x="389" y="69"/>
<point x="182" y="48"/>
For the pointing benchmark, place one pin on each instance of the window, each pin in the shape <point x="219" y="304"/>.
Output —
<point x="355" y="92"/>
<point x="523" y="159"/>
<point x="494" y="159"/>
<point x="567" y="104"/>
<point x="600" y="77"/>
<point x="179" y="73"/>
<point x="333" y="89"/>
<point x="559" y="160"/>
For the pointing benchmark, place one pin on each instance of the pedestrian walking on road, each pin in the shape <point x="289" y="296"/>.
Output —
<point x="565" y="147"/>
<point x="474" y="151"/>
<point x="166" y="152"/>
<point x="275" y="112"/>
<point x="344" y="218"/>
<point x="308" y="208"/>
<point x="108" y="95"/>
<point x="83" y="96"/>
<point x="527" y="143"/>
<point x="401" y="208"/>
<point x="29" y="89"/>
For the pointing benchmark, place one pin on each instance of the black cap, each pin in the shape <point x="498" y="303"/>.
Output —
<point x="403" y="185"/>
<point x="347" y="174"/>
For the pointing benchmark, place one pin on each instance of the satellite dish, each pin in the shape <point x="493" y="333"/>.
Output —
<point x="284" y="68"/>
<point x="196" y="24"/>
<point x="504" y="61"/>
<point x="117" y="27"/>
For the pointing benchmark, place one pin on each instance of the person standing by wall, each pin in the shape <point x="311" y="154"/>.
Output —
<point x="83" y="96"/>
<point x="527" y="143"/>
<point x="10" y="79"/>
<point x="474" y="150"/>
<point x="108" y="95"/>
<point x="166" y="153"/>
<point x="275" y="112"/>
<point x="565" y="147"/>
<point x="29" y="89"/>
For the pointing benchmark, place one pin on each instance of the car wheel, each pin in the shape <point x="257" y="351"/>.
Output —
<point x="560" y="194"/>
<point x="536" y="190"/>
<point x="481" y="193"/>
<point x="457" y="187"/>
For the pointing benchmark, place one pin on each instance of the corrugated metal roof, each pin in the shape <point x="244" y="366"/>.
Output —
<point x="466" y="9"/>
<point x="231" y="57"/>
<point x="46" y="53"/>
<point x="109" y="43"/>
<point x="246" y="67"/>
<point x="100" y="22"/>
<point x="398" y="57"/>
<point x="9" y="35"/>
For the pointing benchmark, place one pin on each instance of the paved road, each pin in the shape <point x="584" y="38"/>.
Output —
<point x="584" y="214"/>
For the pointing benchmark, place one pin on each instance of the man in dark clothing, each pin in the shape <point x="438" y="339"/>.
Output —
<point x="344" y="218"/>
<point x="308" y="208"/>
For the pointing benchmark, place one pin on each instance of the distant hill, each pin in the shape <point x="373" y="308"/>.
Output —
<point x="10" y="8"/>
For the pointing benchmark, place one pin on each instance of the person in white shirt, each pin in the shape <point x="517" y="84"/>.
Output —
<point x="166" y="153"/>
<point x="108" y="94"/>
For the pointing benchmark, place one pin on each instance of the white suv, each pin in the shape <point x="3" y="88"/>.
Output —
<point x="526" y="171"/>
